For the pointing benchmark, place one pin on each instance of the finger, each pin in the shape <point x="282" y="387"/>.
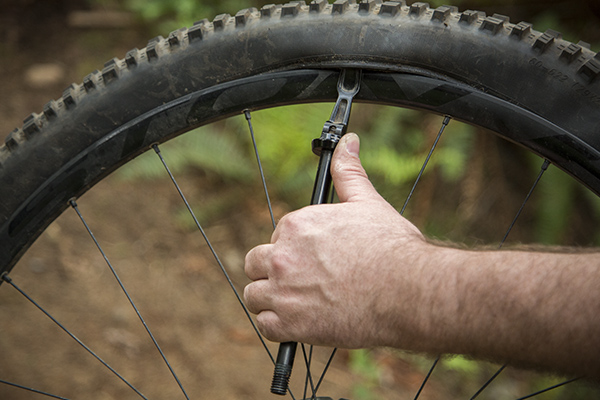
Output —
<point x="349" y="177"/>
<point x="257" y="261"/>
<point x="256" y="296"/>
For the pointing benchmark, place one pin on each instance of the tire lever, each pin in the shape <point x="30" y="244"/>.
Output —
<point x="333" y="130"/>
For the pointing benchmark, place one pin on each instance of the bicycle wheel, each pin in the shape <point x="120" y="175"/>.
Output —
<point x="290" y="54"/>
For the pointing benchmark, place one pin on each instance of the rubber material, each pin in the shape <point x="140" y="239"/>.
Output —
<point x="533" y="88"/>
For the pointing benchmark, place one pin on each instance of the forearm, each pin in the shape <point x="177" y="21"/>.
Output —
<point x="530" y="309"/>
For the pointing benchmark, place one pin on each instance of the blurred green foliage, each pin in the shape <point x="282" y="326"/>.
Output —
<point x="368" y="372"/>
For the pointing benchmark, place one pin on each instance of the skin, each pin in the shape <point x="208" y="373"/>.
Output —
<point x="358" y="275"/>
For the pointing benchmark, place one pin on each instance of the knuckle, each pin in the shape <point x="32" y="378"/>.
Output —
<point x="285" y="223"/>
<point x="292" y="222"/>
<point x="280" y="264"/>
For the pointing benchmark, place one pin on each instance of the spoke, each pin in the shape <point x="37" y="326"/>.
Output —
<point x="33" y="390"/>
<point x="260" y="168"/>
<point x="486" y="384"/>
<point x="212" y="249"/>
<point x="131" y="302"/>
<point x="445" y="123"/>
<point x="547" y="389"/>
<point x="326" y="369"/>
<point x="333" y="194"/>
<point x="427" y="378"/>
<point x="270" y="207"/>
<point x="543" y="169"/>
<point x="248" y="116"/>
<point x="309" y="379"/>
<point x="9" y="280"/>
<point x="437" y="139"/>
<point x="215" y="255"/>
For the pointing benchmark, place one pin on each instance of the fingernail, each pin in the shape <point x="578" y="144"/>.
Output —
<point x="352" y="144"/>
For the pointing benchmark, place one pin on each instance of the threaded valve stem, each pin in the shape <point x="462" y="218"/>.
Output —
<point x="281" y="379"/>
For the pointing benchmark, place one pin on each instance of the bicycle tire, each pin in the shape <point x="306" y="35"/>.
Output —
<point x="291" y="54"/>
<point x="111" y="117"/>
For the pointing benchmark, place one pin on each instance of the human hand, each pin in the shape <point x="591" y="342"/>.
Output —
<point x="332" y="273"/>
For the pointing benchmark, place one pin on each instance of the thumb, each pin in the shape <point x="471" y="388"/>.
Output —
<point x="349" y="177"/>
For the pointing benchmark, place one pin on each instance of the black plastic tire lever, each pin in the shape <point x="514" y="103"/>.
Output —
<point x="333" y="130"/>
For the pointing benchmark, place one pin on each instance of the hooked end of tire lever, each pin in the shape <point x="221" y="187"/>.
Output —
<point x="336" y="127"/>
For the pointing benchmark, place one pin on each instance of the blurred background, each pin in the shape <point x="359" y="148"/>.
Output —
<point x="46" y="45"/>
